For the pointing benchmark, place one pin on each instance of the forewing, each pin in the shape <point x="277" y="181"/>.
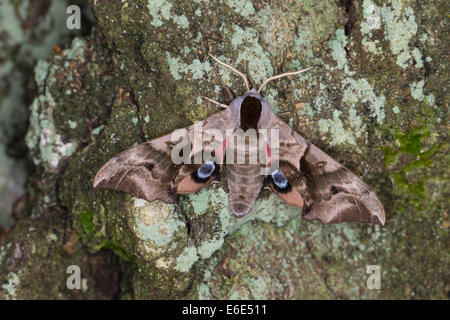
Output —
<point x="331" y="193"/>
<point x="147" y="170"/>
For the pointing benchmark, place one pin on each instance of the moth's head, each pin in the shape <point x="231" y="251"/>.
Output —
<point x="250" y="111"/>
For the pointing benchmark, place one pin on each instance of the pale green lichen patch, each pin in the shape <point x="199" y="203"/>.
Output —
<point x="213" y="202"/>
<point x="371" y="22"/>
<point x="155" y="223"/>
<point x="76" y="51"/>
<point x="270" y="209"/>
<point x="417" y="92"/>
<point x="51" y="237"/>
<point x="372" y="17"/>
<point x="400" y="28"/>
<point x="174" y="66"/>
<point x="243" y="7"/>
<point x="240" y="293"/>
<point x="203" y="292"/>
<point x="42" y="136"/>
<point x="2" y="254"/>
<point x="337" y="46"/>
<point x="186" y="259"/>
<point x="199" y="201"/>
<point x="355" y="92"/>
<point x="360" y="91"/>
<point x="10" y="26"/>
<point x="335" y="127"/>
<point x="258" y="287"/>
<point x="47" y="145"/>
<point x="219" y="201"/>
<point x="10" y="286"/>
<point x="72" y="124"/>
<point x="208" y="247"/>
<point x="197" y="69"/>
<point x="249" y="51"/>
<point x="97" y="130"/>
<point x="41" y="72"/>
<point x="160" y="232"/>
<point x="417" y="55"/>
<point x="161" y="10"/>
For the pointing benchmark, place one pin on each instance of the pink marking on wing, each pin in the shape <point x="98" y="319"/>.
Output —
<point x="188" y="185"/>
<point x="269" y="155"/>
<point x="224" y="144"/>
<point x="220" y="151"/>
<point x="292" y="198"/>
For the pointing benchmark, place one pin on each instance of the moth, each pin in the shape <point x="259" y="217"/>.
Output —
<point x="303" y="175"/>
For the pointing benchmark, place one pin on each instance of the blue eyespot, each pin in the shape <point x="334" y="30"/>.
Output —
<point x="279" y="179"/>
<point x="280" y="182"/>
<point x="206" y="170"/>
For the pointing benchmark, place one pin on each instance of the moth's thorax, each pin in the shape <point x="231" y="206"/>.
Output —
<point x="250" y="111"/>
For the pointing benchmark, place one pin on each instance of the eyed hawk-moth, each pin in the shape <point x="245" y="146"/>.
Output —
<point x="304" y="176"/>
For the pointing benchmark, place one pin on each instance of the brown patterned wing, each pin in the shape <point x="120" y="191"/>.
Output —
<point x="331" y="193"/>
<point x="147" y="170"/>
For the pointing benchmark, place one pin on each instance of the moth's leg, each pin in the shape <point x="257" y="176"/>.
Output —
<point x="222" y="105"/>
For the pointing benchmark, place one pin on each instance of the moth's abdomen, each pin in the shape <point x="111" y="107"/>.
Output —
<point x="244" y="170"/>
<point x="244" y="184"/>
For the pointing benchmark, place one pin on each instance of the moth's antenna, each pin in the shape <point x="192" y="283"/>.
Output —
<point x="232" y="69"/>
<point x="281" y="76"/>
<point x="215" y="102"/>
